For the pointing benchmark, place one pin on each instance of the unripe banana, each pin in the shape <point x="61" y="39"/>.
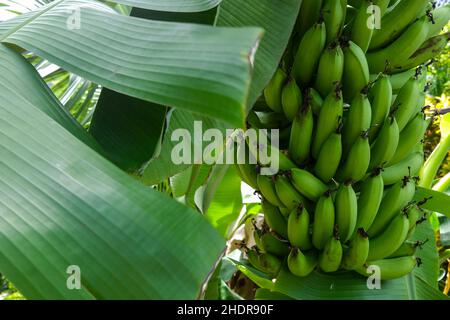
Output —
<point x="398" y="80"/>
<point x="358" y="251"/>
<point x="441" y="16"/>
<point x="331" y="68"/>
<point x="369" y="200"/>
<point x="301" y="264"/>
<point x="346" y="207"/>
<point x="264" y="262"/>
<point x="273" y="91"/>
<point x="291" y="99"/>
<point x="331" y="257"/>
<point x="380" y="101"/>
<point x="301" y="134"/>
<point x="391" y="268"/>
<point x="272" y="244"/>
<point x="358" y="120"/>
<point x="307" y="184"/>
<point x="309" y="15"/>
<point x="266" y="186"/>
<point x="415" y="216"/>
<point x="334" y="17"/>
<point x="287" y="193"/>
<point x="324" y="218"/>
<point x="274" y="218"/>
<point x="396" y="172"/>
<point x="386" y="144"/>
<point x="427" y="51"/>
<point x="316" y="100"/>
<point x="397" y="197"/>
<point x="298" y="228"/>
<point x="356" y="70"/>
<point x="328" y="120"/>
<point x="391" y="239"/>
<point x="308" y="54"/>
<point x="408" y="248"/>
<point x="394" y="22"/>
<point x="361" y="34"/>
<point x="355" y="166"/>
<point x="246" y="168"/>
<point x="411" y="135"/>
<point x="383" y="5"/>
<point x="396" y="53"/>
<point x="406" y="102"/>
<point x="329" y="158"/>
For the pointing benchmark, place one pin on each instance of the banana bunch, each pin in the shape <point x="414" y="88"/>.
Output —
<point x="348" y="99"/>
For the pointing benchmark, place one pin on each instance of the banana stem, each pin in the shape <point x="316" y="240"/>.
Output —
<point x="433" y="163"/>
<point x="443" y="184"/>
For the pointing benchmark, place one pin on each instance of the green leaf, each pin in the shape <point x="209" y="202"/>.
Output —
<point x="277" y="18"/>
<point x="190" y="66"/>
<point x="172" y="5"/>
<point x="428" y="253"/>
<point x="265" y="294"/>
<point x="19" y="78"/>
<point x="222" y="200"/>
<point x="162" y="167"/>
<point x="438" y="201"/>
<point x="129" y="129"/>
<point x="62" y="204"/>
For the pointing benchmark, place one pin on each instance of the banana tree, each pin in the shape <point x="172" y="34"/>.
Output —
<point x="91" y="92"/>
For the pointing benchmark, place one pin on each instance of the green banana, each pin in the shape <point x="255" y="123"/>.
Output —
<point x="358" y="251"/>
<point x="406" y="102"/>
<point x="397" y="197"/>
<point x="361" y="34"/>
<point x="273" y="91"/>
<point x="396" y="172"/>
<point x="400" y="50"/>
<point x="266" y="187"/>
<point x="427" y="51"/>
<point x="328" y="121"/>
<point x="301" y="134"/>
<point x="369" y="200"/>
<point x="396" y="21"/>
<point x="324" y="217"/>
<point x="271" y="243"/>
<point x="441" y="16"/>
<point x="398" y="80"/>
<point x="308" y="16"/>
<point x="274" y="218"/>
<point x="331" y="68"/>
<point x="331" y="257"/>
<point x="308" y="54"/>
<point x="415" y="216"/>
<point x="385" y="146"/>
<point x="391" y="239"/>
<point x="408" y="248"/>
<point x="380" y="100"/>
<point x="329" y="157"/>
<point x="264" y="262"/>
<point x="334" y="17"/>
<point x="301" y="264"/>
<point x="291" y="99"/>
<point x="346" y="208"/>
<point x="356" y="70"/>
<point x="307" y="184"/>
<point x="391" y="268"/>
<point x="316" y="100"/>
<point x="383" y="5"/>
<point x="355" y="166"/>
<point x="287" y="193"/>
<point x="298" y="228"/>
<point x="247" y="170"/>
<point x="358" y="119"/>
<point x="410" y="137"/>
